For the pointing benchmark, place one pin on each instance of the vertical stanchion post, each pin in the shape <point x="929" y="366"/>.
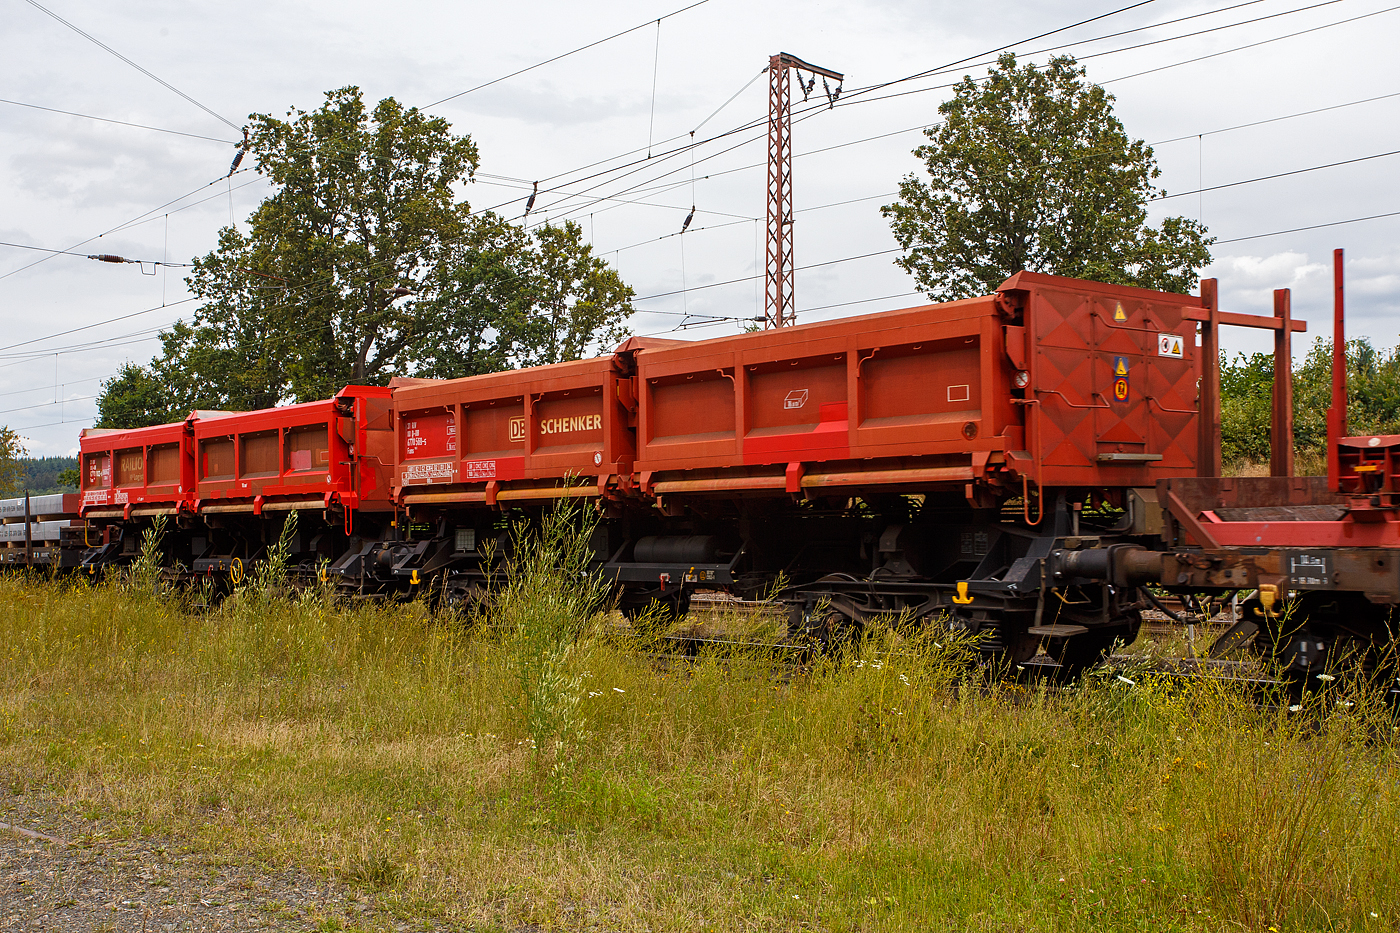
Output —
<point x="1281" y="435"/>
<point x="1337" y="414"/>
<point x="1208" y="420"/>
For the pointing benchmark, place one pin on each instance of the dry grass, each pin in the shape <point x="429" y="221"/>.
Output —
<point x="1308" y="462"/>
<point x="877" y="792"/>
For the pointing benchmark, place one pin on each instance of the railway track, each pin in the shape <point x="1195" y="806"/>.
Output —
<point x="710" y="611"/>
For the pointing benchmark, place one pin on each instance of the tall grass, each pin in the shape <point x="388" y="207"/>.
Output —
<point x="883" y="789"/>
<point x="144" y="572"/>
<point x="548" y="594"/>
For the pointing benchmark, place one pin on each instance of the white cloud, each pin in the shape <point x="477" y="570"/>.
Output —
<point x="1289" y="268"/>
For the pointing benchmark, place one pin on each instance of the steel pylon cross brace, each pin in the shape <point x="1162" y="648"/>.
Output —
<point x="778" y="307"/>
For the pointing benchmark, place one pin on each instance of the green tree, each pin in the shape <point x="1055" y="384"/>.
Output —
<point x="1246" y="401"/>
<point x="1246" y="407"/>
<point x="135" y="398"/>
<point x="11" y="468"/>
<point x="365" y="263"/>
<point x="505" y="297"/>
<point x="1030" y="169"/>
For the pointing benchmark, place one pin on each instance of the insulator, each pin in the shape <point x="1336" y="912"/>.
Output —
<point x="237" y="158"/>
<point x="108" y="257"/>
<point x="531" y="203"/>
<point x="688" y="218"/>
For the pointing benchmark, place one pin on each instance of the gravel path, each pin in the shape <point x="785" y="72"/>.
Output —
<point x="60" y="872"/>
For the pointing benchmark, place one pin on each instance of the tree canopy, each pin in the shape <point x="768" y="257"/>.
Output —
<point x="366" y="263"/>
<point x="11" y="465"/>
<point x="1030" y="169"/>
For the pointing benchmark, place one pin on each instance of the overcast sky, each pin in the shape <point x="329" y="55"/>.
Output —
<point x="66" y="179"/>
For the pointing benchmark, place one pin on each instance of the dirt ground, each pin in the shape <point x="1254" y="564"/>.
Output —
<point x="62" y="872"/>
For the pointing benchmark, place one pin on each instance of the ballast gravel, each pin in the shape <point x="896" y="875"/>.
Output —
<point x="79" y="879"/>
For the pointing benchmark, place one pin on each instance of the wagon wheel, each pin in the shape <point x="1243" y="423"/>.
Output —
<point x="833" y="622"/>
<point x="1010" y="644"/>
<point x="1078" y="653"/>
<point x="1020" y="648"/>
<point x="457" y="595"/>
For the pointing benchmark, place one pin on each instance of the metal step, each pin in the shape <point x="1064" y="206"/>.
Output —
<point x="1057" y="631"/>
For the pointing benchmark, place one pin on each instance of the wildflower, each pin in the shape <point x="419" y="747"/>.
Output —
<point x="618" y="690"/>
<point x="1325" y="677"/>
<point x="1295" y="707"/>
<point x="1073" y="765"/>
<point x="1130" y="683"/>
<point x="595" y="693"/>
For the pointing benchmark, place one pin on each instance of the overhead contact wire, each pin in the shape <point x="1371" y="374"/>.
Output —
<point x="159" y="80"/>
<point x="549" y="61"/>
<point x="139" y="126"/>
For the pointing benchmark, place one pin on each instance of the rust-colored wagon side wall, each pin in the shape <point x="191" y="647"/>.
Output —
<point x="911" y="383"/>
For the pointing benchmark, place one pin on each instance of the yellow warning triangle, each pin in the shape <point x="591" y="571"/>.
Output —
<point x="1118" y="314"/>
<point x="1121" y="369"/>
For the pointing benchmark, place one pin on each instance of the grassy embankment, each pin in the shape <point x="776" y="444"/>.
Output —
<point x="534" y="770"/>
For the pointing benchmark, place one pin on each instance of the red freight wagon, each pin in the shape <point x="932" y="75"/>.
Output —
<point x="1054" y="380"/>
<point x="513" y="435"/>
<point x="138" y="472"/>
<point x="309" y="456"/>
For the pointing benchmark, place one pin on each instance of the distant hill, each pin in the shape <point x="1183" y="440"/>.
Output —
<point x="42" y="474"/>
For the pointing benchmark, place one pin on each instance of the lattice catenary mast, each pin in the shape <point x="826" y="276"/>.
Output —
<point x="778" y="308"/>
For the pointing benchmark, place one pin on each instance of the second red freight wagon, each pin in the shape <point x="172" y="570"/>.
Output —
<point x="1055" y="381"/>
